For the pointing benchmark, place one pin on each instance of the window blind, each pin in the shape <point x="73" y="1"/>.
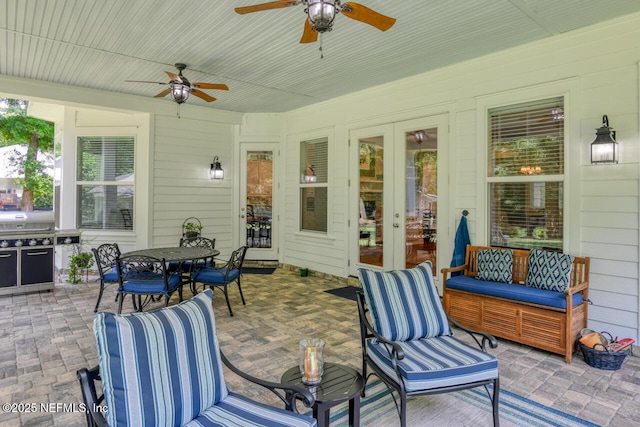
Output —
<point x="525" y="170"/>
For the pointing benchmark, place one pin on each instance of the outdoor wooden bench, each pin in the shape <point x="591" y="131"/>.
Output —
<point x="541" y="318"/>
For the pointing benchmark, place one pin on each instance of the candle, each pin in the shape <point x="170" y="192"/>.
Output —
<point x="311" y="365"/>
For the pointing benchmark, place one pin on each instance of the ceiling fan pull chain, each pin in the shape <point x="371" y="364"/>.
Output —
<point x="320" y="48"/>
<point x="178" y="113"/>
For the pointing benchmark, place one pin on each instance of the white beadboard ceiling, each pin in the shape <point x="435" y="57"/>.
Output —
<point x="99" y="44"/>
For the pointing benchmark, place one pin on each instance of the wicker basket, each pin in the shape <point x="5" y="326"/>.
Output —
<point x="601" y="358"/>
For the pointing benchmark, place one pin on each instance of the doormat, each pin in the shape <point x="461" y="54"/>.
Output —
<point x="257" y="270"/>
<point x="348" y="292"/>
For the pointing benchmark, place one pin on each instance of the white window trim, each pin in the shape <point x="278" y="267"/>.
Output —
<point x="78" y="182"/>
<point x="294" y="141"/>
<point x="569" y="90"/>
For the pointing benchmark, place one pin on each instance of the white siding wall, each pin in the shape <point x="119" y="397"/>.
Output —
<point x="182" y="152"/>
<point x="595" y="68"/>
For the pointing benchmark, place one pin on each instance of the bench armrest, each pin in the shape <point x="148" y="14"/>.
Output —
<point x="291" y="391"/>
<point x="577" y="288"/>
<point x="448" y="270"/>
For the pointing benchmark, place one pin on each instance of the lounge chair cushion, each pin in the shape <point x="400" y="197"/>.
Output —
<point x="404" y="304"/>
<point x="159" y="367"/>
<point x="435" y="362"/>
<point x="236" y="410"/>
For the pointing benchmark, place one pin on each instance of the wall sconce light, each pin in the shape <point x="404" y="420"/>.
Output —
<point x="605" y="148"/>
<point x="216" y="171"/>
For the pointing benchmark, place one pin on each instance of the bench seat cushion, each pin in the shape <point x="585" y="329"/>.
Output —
<point x="236" y="410"/>
<point x="512" y="291"/>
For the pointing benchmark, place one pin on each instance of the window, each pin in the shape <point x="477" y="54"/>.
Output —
<point x="526" y="174"/>
<point x="105" y="182"/>
<point x="314" y="185"/>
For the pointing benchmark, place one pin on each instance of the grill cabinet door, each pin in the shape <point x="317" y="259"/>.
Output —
<point x="8" y="268"/>
<point x="36" y="266"/>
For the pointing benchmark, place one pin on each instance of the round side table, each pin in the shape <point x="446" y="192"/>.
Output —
<point x="339" y="383"/>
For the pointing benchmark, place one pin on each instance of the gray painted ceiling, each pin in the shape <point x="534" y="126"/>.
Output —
<point x="99" y="44"/>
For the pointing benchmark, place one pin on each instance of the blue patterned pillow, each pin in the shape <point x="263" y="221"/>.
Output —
<point x="161" y="367"/>
<point x="549" y="270"/>
<point x="404" y="304"/>
<point x="495" y="265"/>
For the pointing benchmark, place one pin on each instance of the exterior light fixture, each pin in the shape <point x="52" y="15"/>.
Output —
<point x="419" y="136"/>
<point x="321" y="14"/>
<point x="180" y="92"/>
<point x="216" y="171"/>
<point x="604" y="150"/>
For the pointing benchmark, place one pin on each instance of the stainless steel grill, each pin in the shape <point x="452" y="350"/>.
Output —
<point x="27" y="242"/>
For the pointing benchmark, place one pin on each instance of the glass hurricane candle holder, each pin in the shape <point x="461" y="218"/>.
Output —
<point x="311" y="360"/>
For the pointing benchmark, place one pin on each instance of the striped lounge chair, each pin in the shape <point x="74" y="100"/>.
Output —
<point x="164" y="368"/>
<point x="409" y="343"/>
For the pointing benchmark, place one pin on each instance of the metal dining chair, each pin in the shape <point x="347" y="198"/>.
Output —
<point x="223" y="276"/>
<point x="106" y="256"/>
<point x="140" y="275"/>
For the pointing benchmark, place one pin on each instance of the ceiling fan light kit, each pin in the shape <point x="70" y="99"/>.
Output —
<point x="180" y="87"/>
<point x="321" y="14"/>
<point x="180" y="92"/>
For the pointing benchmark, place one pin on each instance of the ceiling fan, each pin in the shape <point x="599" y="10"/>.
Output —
<point x="180" y="87"/>
<point x="321" y="13"/>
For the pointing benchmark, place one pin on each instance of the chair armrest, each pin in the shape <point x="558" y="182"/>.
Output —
<point x="396" y="353"/>
<point x="87" y="378"/>
<point x="476" y="335"/>
<point x="291" y="391"/>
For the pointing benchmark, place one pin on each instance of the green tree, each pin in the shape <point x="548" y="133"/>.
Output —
<point x="18" y="128"/>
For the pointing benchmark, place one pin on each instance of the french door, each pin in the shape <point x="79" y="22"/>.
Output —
<point x="394" y="192"/>
<point x="258" y="205"/>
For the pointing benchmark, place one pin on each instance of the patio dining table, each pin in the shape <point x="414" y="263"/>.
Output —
<point x="179" y="254"/>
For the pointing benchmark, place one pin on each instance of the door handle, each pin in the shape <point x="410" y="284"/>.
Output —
<point x="241" y="216"/>
<point x="396" y="225"/>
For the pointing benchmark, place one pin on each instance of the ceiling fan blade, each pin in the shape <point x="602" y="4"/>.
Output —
<point x="368" y="16"/>
<point x="145" y="81"/>
<point x="174" y="77"/>
<point x="309" y="35"/>
<point x="165" y="92"/>
<point x="266" y="6"/>
<point x="202" y="95"/>
<point x="218" y="86"/>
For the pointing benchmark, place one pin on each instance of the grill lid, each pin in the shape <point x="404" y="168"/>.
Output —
<point x="26" y="222"/>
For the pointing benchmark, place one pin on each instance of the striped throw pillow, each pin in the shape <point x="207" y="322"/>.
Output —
<point x="404" y="304"/>
<point x="161" y="367"/>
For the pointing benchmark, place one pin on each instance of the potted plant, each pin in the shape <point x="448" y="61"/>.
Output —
<point x="79" y="263"/>
<point x="191" y="229"/>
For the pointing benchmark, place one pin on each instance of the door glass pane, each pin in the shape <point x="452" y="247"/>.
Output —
<point x="371" y="220"/>
<point x="421" y="211"/>
<point x="259" y="198"/>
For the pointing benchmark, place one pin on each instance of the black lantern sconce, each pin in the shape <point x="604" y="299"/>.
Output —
<point x="216" y="171"/>
<point x="604" y="150"/>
